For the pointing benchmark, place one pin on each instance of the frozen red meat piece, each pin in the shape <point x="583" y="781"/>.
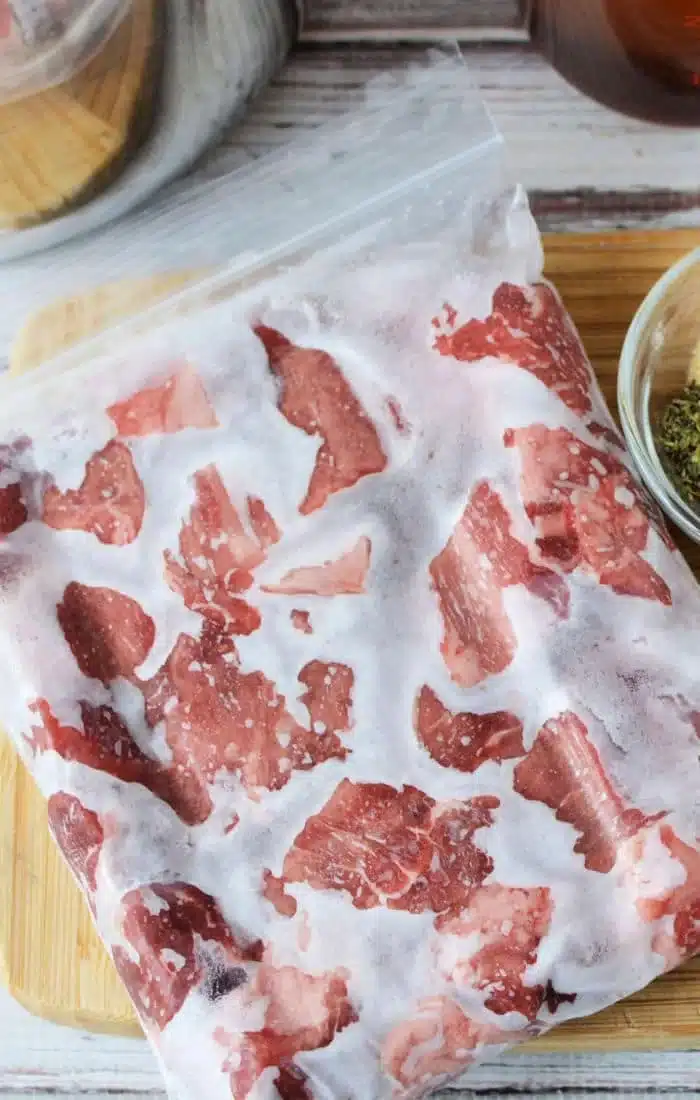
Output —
<point x="397" y="415"/>
<point x="607" y="433"/>
<point x="396" y="848"/>
<point x="110" y="502"/>
<point x="301" y="621"/>
<point x="328" y="696"/>
<point x="464" y="740"/>
<point x="509" y="925"/>
<point x="274" y="891"/>
<point x="80" y="836"/>
<point x="457" y="862"/>
<point x="13" y="510"/>
<point x="14" y="486"/>
<point x="528" y="328"/>
<point x="681" y="905"/>
<point x="564" y="771"/>
<point x="317" y="398"/>
<point x="221" y="719"/>
<point x="178" y="941"/>
<point x="218" y="556"/>
<point x="303" y="1012"/>
<point x="264" y="527"/>
<point x="216" y="537"/>
<point x="587" y="510"/>
<point x="215" y="602"/>
<point x="438" y="1042"/>
<point x="293" y="1084"/>
<point x="106" y="744"/>
<point x="346" y="576"/>
<point x="180" y="402"/>
<point x="109" y="634"/>
<point x="481" y="559"/>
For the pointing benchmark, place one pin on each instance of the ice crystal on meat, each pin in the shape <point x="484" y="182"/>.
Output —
<point x="466" y="741"/>
<point x="397" y="848"/>
<point x="109" y="634"/>
<point x="80" y="836"/>
<point x="218" y="556"/>
<point x="509" y="924"/>
<point x="530" y="329"/>
<point x="587" y="511"/>
<point x="482" y="559"/>
<point x="304" y="1012"/>
<point x="109" y="504"/>
<point x="178" y="403"/>
<point x="220" y="719"/>
<point x="177" y="920"/>
<point x="317" y="398"/>
<point x="564" y="771"/>
<point x="437" y="1043"/>
<point x="344" y="577"/>
<point x="105" y="743"/>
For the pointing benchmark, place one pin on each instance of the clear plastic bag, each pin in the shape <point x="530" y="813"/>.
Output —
<point x="44" y="42"/>
<point x="274" y="205"/>
<point x="358" y="670"/>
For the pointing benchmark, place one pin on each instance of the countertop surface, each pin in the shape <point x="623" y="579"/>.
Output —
<point x="586" y="168"/>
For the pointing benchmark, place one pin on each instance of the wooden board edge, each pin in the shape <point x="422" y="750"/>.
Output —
<point x="662" y="1041"/>
<point x="110" y="1026"/>
<point x="10" y="764"/>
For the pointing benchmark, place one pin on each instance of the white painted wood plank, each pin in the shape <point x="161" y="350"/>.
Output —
<point x="584" y="164"/>
<point x="386" y="20"/>
<point x="40" y="1059"/>
<point x="339" y="16"/>
<point x="71" y="1094"/>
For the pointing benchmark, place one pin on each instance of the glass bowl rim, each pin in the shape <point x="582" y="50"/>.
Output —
<point x="639" y="441"/>
<point x="58" y="61"/>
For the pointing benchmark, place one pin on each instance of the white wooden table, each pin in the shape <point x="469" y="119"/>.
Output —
<point x="586" y="168"/>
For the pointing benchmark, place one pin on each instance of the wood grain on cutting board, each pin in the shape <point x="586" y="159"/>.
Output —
<point x="50" y="957"/>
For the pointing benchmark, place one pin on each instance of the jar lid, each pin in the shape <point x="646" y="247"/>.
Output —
<point x="45" y="42"/>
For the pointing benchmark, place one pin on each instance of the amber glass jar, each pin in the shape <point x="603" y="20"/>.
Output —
<point x="639" y="56"/>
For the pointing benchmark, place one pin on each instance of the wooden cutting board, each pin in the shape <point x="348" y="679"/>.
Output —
<point x="61" y="146"/>
<point x="50" y="957"/>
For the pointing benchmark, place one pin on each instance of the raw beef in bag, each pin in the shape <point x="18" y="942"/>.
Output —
<point x="356" y="666"/>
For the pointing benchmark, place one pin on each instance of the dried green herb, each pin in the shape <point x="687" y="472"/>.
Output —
<point x="678" y="437"/>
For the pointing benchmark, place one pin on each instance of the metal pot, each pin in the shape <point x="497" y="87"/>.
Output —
<point x="218" y="55"/>
<point x="641" y="57"/>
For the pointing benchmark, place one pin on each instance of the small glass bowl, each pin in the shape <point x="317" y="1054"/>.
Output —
<point x="45" y="42"/>
<point x="659" y="348"/>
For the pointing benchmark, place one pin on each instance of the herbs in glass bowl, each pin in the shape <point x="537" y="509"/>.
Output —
<point x="678" y="441"/>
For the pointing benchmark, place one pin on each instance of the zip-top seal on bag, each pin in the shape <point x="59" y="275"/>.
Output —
<point x="358" y="670"/>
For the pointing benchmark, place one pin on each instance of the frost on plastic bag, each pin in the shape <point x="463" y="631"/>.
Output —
<point x="358" y="670"/>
